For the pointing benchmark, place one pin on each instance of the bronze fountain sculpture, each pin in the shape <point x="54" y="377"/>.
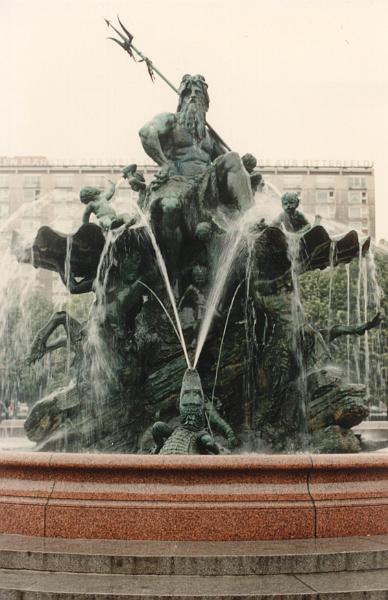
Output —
<point x="194" y="285"/>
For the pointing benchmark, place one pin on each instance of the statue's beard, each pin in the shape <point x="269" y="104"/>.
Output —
<point x="192" y="116"/>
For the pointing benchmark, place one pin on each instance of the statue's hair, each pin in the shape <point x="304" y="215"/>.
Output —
<point x="249" y="161"/>
<point x="89" y="193"/>
<point x="187" y="80"/>
<point x="291" y="196"/>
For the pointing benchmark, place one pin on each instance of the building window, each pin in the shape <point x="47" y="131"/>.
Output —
<point x="63" y="196"/>
<point x="32" y="181"/>
<point x="354" y="212"/>
<point x="364" y="211"/>
<point x="4" y="211"/>
<point x="33" y="210"/>
<point x="325" y="181"/>
<point x="326" y="211"/>
<point x="30" y="194"/>
<point x="4" y="181"/>
<point x="64" y="181"/>
<point x="4" y="195"/>
<point x="355" y="197"/>
<point x="325" y="196"/>
<point x="124" y="194"/>
<point x="99" y="181"/>
<point x="357" y="182"/>
<point x="292" y="181"/>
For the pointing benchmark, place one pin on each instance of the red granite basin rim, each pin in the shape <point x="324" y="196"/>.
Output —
<point x="209" y="498"/>
<point x="213" y="463"/>
<point x="151" y="462"/>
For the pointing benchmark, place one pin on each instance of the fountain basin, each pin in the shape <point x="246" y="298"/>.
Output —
<point x="373" y="430"/>
<point x="249" y="497"/>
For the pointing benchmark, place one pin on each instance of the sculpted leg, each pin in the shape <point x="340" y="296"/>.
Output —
<point x="233" y="177"/>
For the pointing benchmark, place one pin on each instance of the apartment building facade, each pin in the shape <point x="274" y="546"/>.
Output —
<point x="37" y="191"/>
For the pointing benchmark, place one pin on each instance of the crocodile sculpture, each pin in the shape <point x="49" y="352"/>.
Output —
<point x="191" y="436"/>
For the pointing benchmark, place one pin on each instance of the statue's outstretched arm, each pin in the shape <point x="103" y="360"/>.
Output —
<point x="109" y="193"/>
<point x="39" y="346"/>
<point x="359" y="329"/>
<point x="151" y="133"/>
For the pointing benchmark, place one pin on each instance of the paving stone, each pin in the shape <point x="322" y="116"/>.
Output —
<point x="356" y="581"/>
<point x="192" y="558"/>
<point x="35" y="585"/>
<point x="106" y="586"/>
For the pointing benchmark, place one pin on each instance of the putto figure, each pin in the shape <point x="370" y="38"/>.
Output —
<point x="291" y="219"/>
<point x="98" y="201"/>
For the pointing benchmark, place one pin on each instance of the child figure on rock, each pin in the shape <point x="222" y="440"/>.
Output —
<point x="98" y="201"/>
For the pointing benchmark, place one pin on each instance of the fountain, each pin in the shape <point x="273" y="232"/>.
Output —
<point x="197" y="343"/>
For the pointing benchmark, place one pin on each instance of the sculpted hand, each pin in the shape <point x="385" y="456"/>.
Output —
<point x="38" y="350"/>
<point x="128" y="171"/>
<point x="164" y="173"/>
<point x="377" y="319"/>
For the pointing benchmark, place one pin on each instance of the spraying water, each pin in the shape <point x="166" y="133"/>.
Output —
<point x="331" y="267"/>
<point x="43" y="201"/>
<point x="376" y="297"/>
<point x="347" y="266"/>
<point x="163" y="269"/>
<point x="222" y="340"/>
<point x="357" y="345"/>
<point x="298" y="320"/>
<point x="224" y="265"/>
<point x="16" y="325"/>
<point x="97" y="357"/>
<point x="250" y="340"/>
<point x="67" y="279"/>
<point x="238" y="230"/>
<point x="366" y="335"/>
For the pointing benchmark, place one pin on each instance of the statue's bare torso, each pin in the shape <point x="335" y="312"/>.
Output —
<point x="172" y="146"/>
<point x="180" y="143"/>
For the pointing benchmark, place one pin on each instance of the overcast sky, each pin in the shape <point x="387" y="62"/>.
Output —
<point x="288" y="79"/>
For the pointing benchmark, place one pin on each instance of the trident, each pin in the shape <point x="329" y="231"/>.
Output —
<point x="126" y="44"/>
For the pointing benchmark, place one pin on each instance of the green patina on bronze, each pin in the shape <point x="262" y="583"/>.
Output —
<point x="255" y="403"/>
